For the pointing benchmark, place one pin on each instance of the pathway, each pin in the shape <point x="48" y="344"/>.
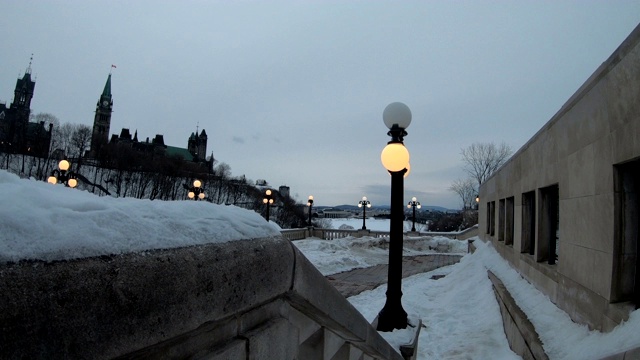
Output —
<point x="355" y="281"/>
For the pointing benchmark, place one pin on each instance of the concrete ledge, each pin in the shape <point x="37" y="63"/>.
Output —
<point x="112" y="305"/>
<point x="313" y="295"/>
<point x="242" y="299"/>
<point x="521" y="334"/>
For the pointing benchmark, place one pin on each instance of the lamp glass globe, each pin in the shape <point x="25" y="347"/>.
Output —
<point x="395" y="157"/>
<point x="63" y="165"/>
<point x="72" y="183"/>
<point x="397" y="114"/>
<point x="197" y="183"/>
<point x="52" y="180"/>
<point x="201" y="196"/>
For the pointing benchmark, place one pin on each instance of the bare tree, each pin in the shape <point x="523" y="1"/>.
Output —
<point x="467" y="191"/>
<point x="483" y="159"/>
<point x="80" y="140"/>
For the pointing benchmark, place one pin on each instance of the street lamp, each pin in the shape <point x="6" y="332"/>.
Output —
<point x="395" y="158"/>
<point x="477" y="201"/>
<point x="414" y="204"/>
<point x="196" y="192"/>
<point x="63" y="175"/>
<point x="268" y="200"/>
<point x="364" y="204"/>
<point x="310" y="205"/>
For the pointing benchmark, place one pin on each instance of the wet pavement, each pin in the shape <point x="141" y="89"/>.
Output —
<point x="355" y="281"/>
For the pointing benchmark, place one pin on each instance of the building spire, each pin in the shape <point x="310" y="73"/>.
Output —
<point x="107" y="87"/>
<point x="29" y="67"/>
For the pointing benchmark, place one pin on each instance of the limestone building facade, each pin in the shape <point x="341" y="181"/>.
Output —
<point x="565" y="209"/>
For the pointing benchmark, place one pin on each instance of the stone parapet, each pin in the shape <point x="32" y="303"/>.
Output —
<point x="257" y="298"/>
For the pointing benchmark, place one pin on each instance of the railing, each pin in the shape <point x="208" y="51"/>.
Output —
<point x="332" y="234"/>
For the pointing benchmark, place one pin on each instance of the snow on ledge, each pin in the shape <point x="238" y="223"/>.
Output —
<point x="41" y="221"/>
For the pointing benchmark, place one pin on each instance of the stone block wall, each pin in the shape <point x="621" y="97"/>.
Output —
<point x="573" y="163"/>
<point x="258" y="299"/>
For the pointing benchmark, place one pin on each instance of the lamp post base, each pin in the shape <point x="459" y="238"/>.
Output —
<point x="392" y="316"/>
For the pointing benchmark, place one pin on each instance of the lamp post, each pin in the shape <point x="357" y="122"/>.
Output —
<point x="310" y="205"/>
<point x="477" y="201"/>
<point x="395" y="158"/>
<point x="196" y="192"/>
<point x="268" y="200"/>
<point x="364" y="204"/>
<point x="414" y="204"/>
<point x="63" y="175"/>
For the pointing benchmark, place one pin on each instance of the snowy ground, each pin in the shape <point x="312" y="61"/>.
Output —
<point x="460" y="312"/>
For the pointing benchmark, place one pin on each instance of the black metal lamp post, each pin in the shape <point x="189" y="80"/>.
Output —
<point x="310" y="205"/>
<point x="196" y="192"/>
<point x="364" y="204"/>
<point x="395" y="158"/>
<point x="477" y="201"/>
<point x="268" y="200"/>
<point x="63" y="175"/>
<point x="414" y="203"/>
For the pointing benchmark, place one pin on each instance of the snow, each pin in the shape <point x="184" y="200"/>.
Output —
<point x="460" y="312"/>
<point x="50" y="222"/>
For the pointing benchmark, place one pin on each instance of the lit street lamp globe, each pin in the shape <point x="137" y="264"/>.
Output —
<point x="395" y="157"/>
<point x="63" y="165"/>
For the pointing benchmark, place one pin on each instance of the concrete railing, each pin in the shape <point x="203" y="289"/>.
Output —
<point x="331" y="234"/>
<point x="259" y="299"/>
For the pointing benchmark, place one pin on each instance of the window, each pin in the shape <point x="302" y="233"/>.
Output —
<point x="501" y="220"/>
<point x="627" y="231"/>
<point x="508" y="221"/>
<point x="548" y="227"/>
<point x="488" y="230"/>
<point x="528" y="235"/>
<point x="492" y="220"/>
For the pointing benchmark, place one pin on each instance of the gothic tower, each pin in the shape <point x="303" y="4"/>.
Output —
<point x="20" y="108"/>
<point x="102" y="120"/>
<point x="197" y="145"/>
<point x="202" y="145"/>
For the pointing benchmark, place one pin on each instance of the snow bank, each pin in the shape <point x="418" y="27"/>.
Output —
<point x="47" y="222"/>
<point x="338" y="255"/>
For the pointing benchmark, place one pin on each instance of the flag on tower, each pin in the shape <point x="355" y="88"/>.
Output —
<point x="113" y="66"/>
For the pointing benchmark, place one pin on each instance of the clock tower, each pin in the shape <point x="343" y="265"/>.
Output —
<point x="102" y="120"/>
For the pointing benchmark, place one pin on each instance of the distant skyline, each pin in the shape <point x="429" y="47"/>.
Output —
<point x="293" y="92"/>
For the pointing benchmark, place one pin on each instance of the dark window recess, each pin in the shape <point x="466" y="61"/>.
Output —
<point x="627" y="220"/>
<point x="528" y="235"/>
<point x="492" y="221"/>
<point x="508" y="221"/>
<point x="501" y="220"/>
<point x="549" y="224"/>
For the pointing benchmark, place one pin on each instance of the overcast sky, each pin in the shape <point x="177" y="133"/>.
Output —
<point x="293" y="92"/>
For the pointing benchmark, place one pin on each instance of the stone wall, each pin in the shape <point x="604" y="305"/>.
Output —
<point x="568" y="176"/>
<point x="257" y="299"/>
